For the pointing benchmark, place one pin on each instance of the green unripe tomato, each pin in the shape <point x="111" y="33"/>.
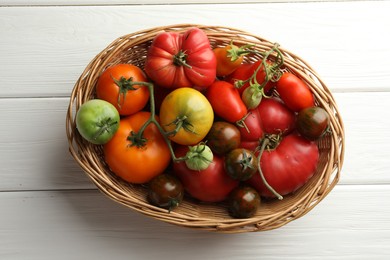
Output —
<point x="97" y="121"/>
<point x="199" y="157"/>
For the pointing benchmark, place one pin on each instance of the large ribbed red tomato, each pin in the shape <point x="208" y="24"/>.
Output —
<point x="177" y="60"/>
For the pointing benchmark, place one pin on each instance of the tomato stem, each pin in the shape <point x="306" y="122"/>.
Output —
<point x="180" y="59"/>
<point x="263" y="145"/>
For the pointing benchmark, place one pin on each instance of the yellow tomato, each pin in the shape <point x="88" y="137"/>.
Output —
<point x="187" y="115"/>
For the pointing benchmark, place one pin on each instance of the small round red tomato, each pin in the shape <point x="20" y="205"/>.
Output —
<point x="294" y="92"/>
<point x="253" y="132"/>
<point x="226" y="101"/>
<point x="240" y="164"/>
<point x="312" y="122"/>
<point x="223" y="137"/>
<point x="115" y="86"/>
<point x="276" y="118"/>
<point x="165" y="191"/>
<point x="243" y="202"/>
<point x="137" y="161"/>
<point x="209" y="185"/>
<point x="186" y="115"/>
<point x="177" y="60"/>
<point x="229" y="58"/>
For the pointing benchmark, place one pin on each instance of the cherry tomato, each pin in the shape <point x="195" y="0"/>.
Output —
<point x="187" y="114"/>
<point x="240" y="164"/>
<point x="294" y="92"/>
<point x="97" y="121"/>
<point x="114" y="86"/>
<point x="177" y="60"/>
<point x="243" y="202"/>
<point x="223" y="137"/>
<point x="226" y="101"/>
<point x="312" y="122"/>
<point x="228" y="59"/>
<point x="209" y="185"/>
<point x="137" y="162"/>
<point x="165" y="191"/>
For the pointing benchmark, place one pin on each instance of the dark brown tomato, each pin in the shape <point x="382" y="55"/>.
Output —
<point x="312" y="122"/>
<point x="165" y="191"/>
<point x="223" y="137"/>
<point x="244" y="202"/>
<point x="240" y="164"/>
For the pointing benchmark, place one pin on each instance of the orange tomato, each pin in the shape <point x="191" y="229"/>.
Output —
<point x="137" y="164"/>
<point x="114" y="86"/>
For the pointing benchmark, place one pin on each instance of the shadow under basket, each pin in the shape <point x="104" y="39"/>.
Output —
<point x="132" y="48"/>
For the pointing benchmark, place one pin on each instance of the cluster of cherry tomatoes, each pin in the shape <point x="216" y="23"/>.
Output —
<point x="201" y="121"/>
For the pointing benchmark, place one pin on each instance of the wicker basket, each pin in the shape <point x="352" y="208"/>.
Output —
<point x="132" y="48"/>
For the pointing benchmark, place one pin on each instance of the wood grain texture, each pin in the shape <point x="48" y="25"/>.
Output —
<point x="87" y="225"/>
<point x="47" y="50"/>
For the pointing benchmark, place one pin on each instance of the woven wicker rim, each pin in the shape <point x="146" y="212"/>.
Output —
<point x="132" y="48"/>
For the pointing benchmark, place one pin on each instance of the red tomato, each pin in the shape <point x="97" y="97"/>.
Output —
<point x="114" y="86"/>
<point x="130" y="162"/>
<point x="276" y="118"/>
<point x="209" y="185"/>
<point x="294" y="92"/>
<point x="253" y="131"/>
<point x="288" y="167"/>
<point x="226" y="101"/>
<point x="176" y="60"/>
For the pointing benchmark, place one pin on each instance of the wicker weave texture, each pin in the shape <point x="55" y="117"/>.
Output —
<point x="132" y="48"/>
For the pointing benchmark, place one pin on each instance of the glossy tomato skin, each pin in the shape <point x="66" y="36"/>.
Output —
<point x="209" y="185"/>
<point x="225" y="64"/>
<point x="165" y="191"/>
<point x="137" y="164"/>
<point x="223" y="137"/>
<point x="287" y="167"/>
<point x="226" y="101"/>
<point x="243" y="202"/>
<point x="177" y="60"/>
<point x="97" y="121"/>
<point x="253" y="131"/>
<point x="195" y="110"/>
<point x="294" y="92"/>
<point x="312" y="122"/>
<point x="127" y="102"/>
<point x="240" y="164"/>
<point x="276" y="118"/>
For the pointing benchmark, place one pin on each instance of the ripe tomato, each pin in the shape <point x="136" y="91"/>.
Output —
<point x="165" y="191"/>
<point x="287" y="167"/>
<point x="223" y="137"/>
<point x="97" y="121"/>
<point x="209" y="185"/>
<point x="228" y="59"/>
<point x="226" y="101"/>
<point x="187" y="114"/>
<point x="114" y="86"/>
<point x="276" y="118"/>
<point x="312" y="122"/>
<point x="240" y="164"/>
<point x="130" y="162"/>
<point x="243" y="202"/>
<point x="177" y="60"/>
<point x="253" y="131"/>
<point x="294" y="92"/>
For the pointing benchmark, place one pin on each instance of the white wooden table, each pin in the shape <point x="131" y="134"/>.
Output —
<point x="50" y="209"/>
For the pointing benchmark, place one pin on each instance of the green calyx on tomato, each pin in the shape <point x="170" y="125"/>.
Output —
<point x="240" y="164"/>
<point x="199" y="157"/>
<point x="180" y="59"/>
<point x="124" y="86"/>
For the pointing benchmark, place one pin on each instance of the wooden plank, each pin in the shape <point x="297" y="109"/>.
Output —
<point x="87" y="225"/>
<point x="51" y="56"/>
<point x="132" y="2"/>
<point x="34" y="150"/>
